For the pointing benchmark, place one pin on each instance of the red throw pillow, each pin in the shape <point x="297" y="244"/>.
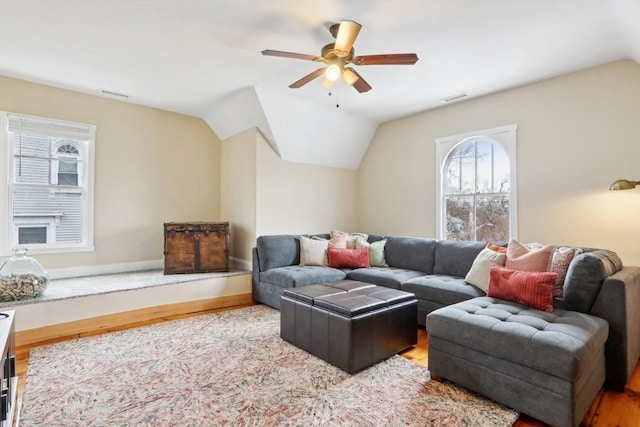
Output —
<point x="533" y="289"/>
<point x="348" y="258"/>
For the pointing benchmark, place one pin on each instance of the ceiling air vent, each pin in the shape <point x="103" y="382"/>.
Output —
<point x="454" y="97"/>
<point x="121" y="95"/>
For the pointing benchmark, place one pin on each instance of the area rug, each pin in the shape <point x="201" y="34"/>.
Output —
<point x="232" y="369"/>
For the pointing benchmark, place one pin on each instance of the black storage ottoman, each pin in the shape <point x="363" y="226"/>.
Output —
<point x="350" y="324"/>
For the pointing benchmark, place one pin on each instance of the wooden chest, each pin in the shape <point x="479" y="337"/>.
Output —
<point x="196" y="247"/>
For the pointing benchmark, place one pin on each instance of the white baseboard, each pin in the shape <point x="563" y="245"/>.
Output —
<point x="126" y="267"/>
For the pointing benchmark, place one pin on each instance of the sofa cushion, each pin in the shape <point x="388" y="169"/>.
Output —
<point x="411" y="253"/>
<point x="478" y="275"/>
<point x="586" y="273"/>
<point x="348" y="258"/>
<point x="297" y="275"/>
<point x="531" y="288"/>
<point x="350" y="238"/>
<point x="313" y="251"/>
<point x="564" y="343"/>
<point x="496" y="248"/>
<point x="389" y="277"/>
<point x="376" y="251"/>
<point x="534" y="258"/>
<point x="560" y="262"/>
<point x="441" y="289"/>
<point x="278" y="251"/>
<point x="455" y="257"/>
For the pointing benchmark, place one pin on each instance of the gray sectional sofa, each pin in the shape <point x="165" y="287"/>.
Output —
<point x="597" y="285"/>
<point x="432" y="269"/>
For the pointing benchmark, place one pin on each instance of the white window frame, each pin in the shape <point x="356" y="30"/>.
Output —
<point x="62" y="157"/>
<point x="8" y="230"/>
<point x="48" y="222"/>
<point x="506" y="137"/>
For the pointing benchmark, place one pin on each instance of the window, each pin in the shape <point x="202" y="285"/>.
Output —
<point x="28" y="235"/>
<point x="66" y="167"/>
<point x="50" y="185"/>
<point x="476" y="198"/>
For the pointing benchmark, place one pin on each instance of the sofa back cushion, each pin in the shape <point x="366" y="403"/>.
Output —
<point x="412" y="253"/>
<point x="281" y="250"/>
<point x="455" y="257"/>
<point x="278" y="251"/>
<point x="585" y="275"/>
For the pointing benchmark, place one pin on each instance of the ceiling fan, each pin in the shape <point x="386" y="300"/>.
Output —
<point x="338" y="55"/>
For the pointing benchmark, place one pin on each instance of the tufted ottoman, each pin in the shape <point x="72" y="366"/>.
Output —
<point x="547" y="365"/>
<point x="348" y="323"/>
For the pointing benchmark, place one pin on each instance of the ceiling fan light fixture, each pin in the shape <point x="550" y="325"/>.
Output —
<point x="332" y="72"/>
<point x="349" y="76"/>
<point x="328" y="83"/>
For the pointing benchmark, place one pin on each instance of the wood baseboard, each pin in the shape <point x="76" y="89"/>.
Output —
<point x="101" y="324"/>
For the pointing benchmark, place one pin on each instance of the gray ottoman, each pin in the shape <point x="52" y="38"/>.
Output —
<point x="350" y="324"/>
<point x="547" y="365"/>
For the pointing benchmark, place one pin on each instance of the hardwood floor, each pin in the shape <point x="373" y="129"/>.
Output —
<point x="608" y="409"/>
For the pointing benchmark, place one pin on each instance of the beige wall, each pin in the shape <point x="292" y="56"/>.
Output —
<point x="576" y="134"/>
<point x="263" y="194"/>
<point x="238" y="191"/>
<point x="302" y="198"/>
<point x="152" y="166"/>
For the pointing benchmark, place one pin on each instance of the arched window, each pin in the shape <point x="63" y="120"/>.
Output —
<point x="476" y="186"/>
<point x="68" y="164"/>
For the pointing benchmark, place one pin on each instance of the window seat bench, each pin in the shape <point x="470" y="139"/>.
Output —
<point x="81" y="304"/>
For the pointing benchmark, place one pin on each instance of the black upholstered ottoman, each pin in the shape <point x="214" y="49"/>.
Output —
<point x="350" y="324"/>
<point x="548" y="365"/>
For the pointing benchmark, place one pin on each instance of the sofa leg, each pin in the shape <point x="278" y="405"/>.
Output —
<point x="437" y="378"/>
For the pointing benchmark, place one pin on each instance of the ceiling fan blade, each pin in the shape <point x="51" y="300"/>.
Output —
<point x="390" y="59"/>
<point x="283" y="54"/>
<point x="306" y="79"/>
<point x="347" y="33"/>
<point x="361" y="84"/>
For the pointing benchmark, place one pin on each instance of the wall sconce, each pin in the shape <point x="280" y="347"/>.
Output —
<point x="623" y="184"/>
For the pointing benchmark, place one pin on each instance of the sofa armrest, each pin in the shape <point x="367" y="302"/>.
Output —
<point x="255" y="274"/>
<point x="618" y="302"/>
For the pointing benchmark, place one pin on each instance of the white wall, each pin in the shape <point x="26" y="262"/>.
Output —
<point x="152" y="166"/>
<point x="576" y="134"/>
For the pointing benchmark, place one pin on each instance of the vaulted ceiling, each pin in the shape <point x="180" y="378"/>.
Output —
<point x="203" y="58"/>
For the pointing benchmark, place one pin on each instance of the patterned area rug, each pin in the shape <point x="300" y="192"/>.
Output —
<point x="232" y="368"/>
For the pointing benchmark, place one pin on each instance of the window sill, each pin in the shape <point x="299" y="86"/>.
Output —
<point x="49" y="251"/>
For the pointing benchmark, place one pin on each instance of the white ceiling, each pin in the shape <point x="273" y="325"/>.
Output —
<point x="203" y="58"/>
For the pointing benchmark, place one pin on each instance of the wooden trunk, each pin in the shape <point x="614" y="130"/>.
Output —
<point x="196" y="247"/>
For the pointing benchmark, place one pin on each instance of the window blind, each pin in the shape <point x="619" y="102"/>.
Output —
<point x="46" y="127"/>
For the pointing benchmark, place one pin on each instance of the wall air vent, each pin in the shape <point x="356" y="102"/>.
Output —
<point x="121" y="95"/>
<point x="454" y="97"/>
